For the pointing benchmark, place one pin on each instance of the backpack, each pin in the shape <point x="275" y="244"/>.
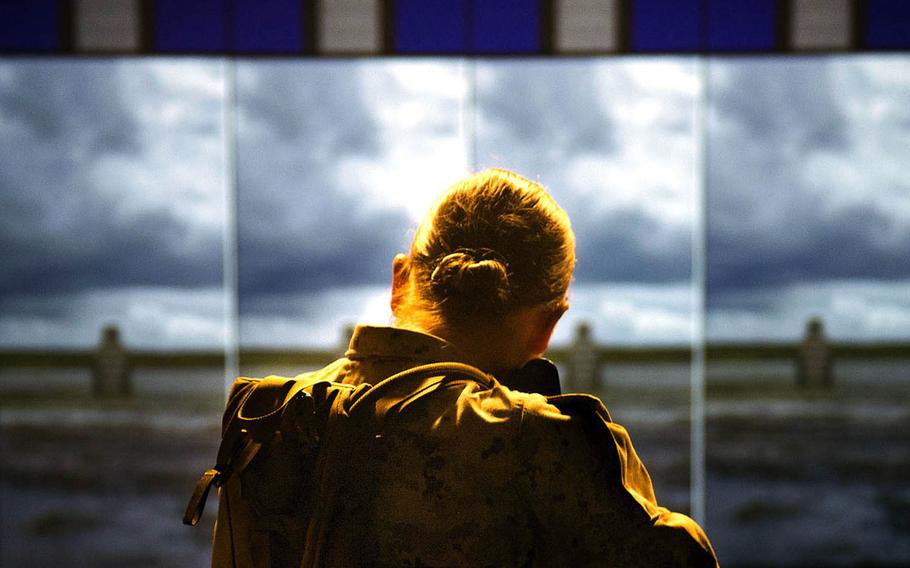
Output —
<point x="282" y="439"/>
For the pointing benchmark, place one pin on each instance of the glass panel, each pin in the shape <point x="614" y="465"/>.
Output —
<point x="615" y="143"/>
<point x="809" y="310"/>
<point x="337" y="161"/>
<point x="111" y="198"/>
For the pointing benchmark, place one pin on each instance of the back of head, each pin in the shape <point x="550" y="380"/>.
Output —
<point x="492" y="243"/>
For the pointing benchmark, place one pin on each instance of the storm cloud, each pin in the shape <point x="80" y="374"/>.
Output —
<point x="555" y="109"/>
<point x="808" y="178"/>
<point x="114" y="175"/>
<point x="305" y="224"/>
<point x="84" y="203"/>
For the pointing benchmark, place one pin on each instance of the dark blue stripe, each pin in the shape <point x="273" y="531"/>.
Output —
<point x="888" y="24"/>
<point x="29" y="25"/>
<point x="506" y="26"/>
<point x="191" y="26"/>
<point x="268" y="26"/>
<point x="449" y="26"/>
<point x="431" y="26"/>
<point x="665" y="25"/>
<point x="744" y="25"/>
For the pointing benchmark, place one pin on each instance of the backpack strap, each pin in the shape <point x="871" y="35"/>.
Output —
<point x="446" y="372"/>
<point x="260" y="412"/>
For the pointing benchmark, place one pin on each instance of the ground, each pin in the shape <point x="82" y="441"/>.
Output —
<point x="795" y="478"/>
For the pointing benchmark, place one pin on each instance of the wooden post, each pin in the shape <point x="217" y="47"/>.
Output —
<point x="814" y="365"/>
<point x="110" y="366"/>
<point x="583" y="366"/>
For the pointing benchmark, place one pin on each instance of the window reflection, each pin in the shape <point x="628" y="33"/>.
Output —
<point x="808" y="309"/>
<point x="112" y="197"/>
<point x="111" y="305"/>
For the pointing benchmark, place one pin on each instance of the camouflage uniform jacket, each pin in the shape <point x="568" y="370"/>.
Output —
<point x="477" y="476"/>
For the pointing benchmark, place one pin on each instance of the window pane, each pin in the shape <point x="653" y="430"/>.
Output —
<point x="809" y="220"/>
<point x="614" y="141"/>
<point x="111" y="198"/>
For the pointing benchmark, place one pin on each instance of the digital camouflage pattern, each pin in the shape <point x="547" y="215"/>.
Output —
<point x="468" y="475"/>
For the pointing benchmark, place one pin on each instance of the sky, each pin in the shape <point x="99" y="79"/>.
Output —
<point x="809" y="199"/>
<point x="114" y="176"/>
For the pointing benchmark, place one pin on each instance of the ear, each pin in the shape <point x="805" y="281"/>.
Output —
<point x="400" y="277"/>
<point x="546" y="320"/>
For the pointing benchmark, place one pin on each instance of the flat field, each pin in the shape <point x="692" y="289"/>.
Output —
<point x="794" y="478"/>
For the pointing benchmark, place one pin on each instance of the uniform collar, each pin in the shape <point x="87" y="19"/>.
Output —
<point x="395" y="343"/>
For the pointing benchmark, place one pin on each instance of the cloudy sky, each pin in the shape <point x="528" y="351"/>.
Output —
<point x="809" y="196"/>
<point x="113" y="181"/>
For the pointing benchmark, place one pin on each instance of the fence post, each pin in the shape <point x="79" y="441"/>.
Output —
<point x="583" y="365"/>
<point x="110" y="365"/>
<point x="814" y="368"/>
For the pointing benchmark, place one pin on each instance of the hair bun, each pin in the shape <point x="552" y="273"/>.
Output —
<point x="476" y="278"/>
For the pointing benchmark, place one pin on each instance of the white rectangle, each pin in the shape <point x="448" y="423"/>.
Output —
<point x="107" y="25"/>
<point x="586" y="26"/>
<point x="350" y="26"/>
<point x="820" y="24"/>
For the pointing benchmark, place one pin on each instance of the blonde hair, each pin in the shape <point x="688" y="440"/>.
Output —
<point x="493" y="242"/>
